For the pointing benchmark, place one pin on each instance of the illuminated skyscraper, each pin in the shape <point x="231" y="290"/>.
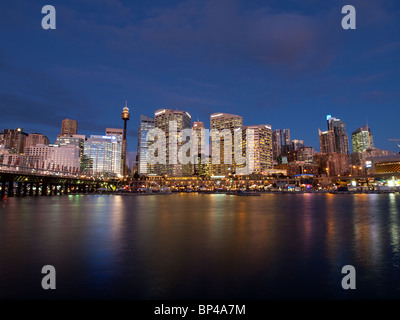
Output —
<point x="338" y="127"/>
<point x="105" y="154"/>
<point x="200" y="167"/>
<point x="362" y="139"/>
<point x="230" y="122"/>
<point x="260" y="158"/>
<point x="286" y="141"/>
<point x="164" y="119"/>
<point x="281" y="143"/>
<point x="146" y="124"/>
<point x="277" y="143"/>
<point x="327" y="141"/>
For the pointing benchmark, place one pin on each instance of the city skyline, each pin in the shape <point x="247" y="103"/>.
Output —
<point x="283" y="64"/>
<point x="291" y="142"/>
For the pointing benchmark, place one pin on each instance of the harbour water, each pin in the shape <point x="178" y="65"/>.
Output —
<point x="201" y="246"/>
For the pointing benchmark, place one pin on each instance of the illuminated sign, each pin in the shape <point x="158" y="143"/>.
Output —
<point x="216" y="115"/>
<point x="368" y="164"/>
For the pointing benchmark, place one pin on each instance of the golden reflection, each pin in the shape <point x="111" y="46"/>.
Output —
<point x="330" y="214"/>
<point x="117" y="218"/>
<point x="362" y="229"/>
<point x="394" y="223"/>
<point x="308" y="201"/>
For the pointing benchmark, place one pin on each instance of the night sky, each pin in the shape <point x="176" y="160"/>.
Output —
<point x="283" y="63"/>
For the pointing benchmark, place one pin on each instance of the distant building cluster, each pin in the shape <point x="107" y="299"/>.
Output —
<point x="265" y="151"/>
<point x="97" y="155"/>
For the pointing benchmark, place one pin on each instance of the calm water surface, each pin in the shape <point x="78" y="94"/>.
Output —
<point x="191" y="246"/>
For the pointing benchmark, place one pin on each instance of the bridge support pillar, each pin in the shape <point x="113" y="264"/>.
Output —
<point x="10" y="189"/>
<point x="19" y="186"/>
<point x="44" y="189"/>
<point x="25" y="190"/>
<point x="37" y="189"/>
<point x="31" y="188"/>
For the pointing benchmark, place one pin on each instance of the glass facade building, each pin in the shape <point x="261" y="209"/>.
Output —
<point x="105" y="154"/>
<point x="362" y="139"/>
<point x="146" y="124"/>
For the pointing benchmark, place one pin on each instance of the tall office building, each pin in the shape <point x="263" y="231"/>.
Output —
<point x="260" y="157"/>
<point x="201" y="167"/>
<point x="362" y="139"/>
<point x="281" y="143"/>
<point x="35" y="138"/>
<point x="69" y="127"/>
<point x="164" y="120"/>
<point x="286" y="141"/>
<point x="105" y="154"/>
<point x="221" y="121"/>
<point x="13" y="139"/>
<point x="146" y="124"/>
<point x="327" y="141"/>
<point x="339" y="129"/>
<point x="277" y="143"/>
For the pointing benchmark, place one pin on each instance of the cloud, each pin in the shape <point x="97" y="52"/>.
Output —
<point x="38" y="97"/>
<point x="218" y="32"/>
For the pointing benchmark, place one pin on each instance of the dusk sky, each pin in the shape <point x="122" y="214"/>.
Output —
<point x="283" y="63"/>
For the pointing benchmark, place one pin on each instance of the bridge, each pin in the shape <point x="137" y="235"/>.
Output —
<point x="23" y="181"/>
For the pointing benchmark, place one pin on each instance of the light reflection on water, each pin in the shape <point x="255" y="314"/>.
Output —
<point x="189" y="246"/>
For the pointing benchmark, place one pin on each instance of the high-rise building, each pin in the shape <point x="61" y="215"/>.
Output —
<point x="201" y="167"/>
<point x="144" y="166"/>
<point x="220" y="122"/>
<point x="339" y="129"/>
<point x="281" y="143"/>
<point x="105" y="154"/>
<point x="327" y="141"/>
<point x="165" y="119"/>
<point x="69" y="127"/>
<point x="362" y="139"/>
<point x="277" y="143"/>
<point x="286" y="141"/>
<point x="13" y="139"/>
<point x="258" y="141"/>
